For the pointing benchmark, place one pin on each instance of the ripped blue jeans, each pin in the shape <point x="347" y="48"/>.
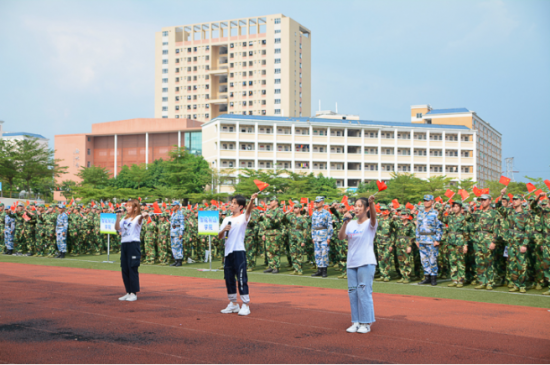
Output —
<point x="360" y="293"/>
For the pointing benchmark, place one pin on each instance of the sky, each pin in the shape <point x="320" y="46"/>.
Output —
<point x="65" y="65"/>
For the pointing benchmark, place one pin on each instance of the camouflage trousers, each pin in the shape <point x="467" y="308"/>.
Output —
<point x="545" y="263"/>
<point x="405" y="259"/>
<point x="418" y="270"/>
<point x="443" y="259"/>
<point x="29" y="236"/>
<point x="2" y="244"/>
<point x="499" y="261"/>
<point x="18" y="241"/>
<point x="164" y="250"/>
<point x="457" y="258"/>
<point x="251" y="244"/>
<point x="384" y="257"/>
<point x="273" y="247"/>
<point x="538" y="259"/>
<point x="40" y="241"/>
<point x="517" y="264"/>
<point x="74" y="241"/>
<point x="470" y="262"/>
<point x="50" y="243"/>
<point x="484" y="258"/>
<point x="150" y="253"/>
<point x="341" y="249"/>
<point x="296" y="253"/>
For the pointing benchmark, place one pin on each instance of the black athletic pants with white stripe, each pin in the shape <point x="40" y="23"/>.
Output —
<point x="235" y="271"/>
<point x="130" y="256"/>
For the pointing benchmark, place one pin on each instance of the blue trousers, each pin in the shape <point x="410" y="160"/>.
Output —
<point x="428" y="257"/>
<point x="177" y="247"/>
<point x="360" y="293"/>
<point x="235" y="267"/>
<point x="321" y="253"/>
<point x="61" y="241"/>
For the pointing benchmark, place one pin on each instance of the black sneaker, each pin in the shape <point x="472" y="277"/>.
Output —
<point x="275" y="271"/>
<point x="427" y="280"/>
<point x="268" y="271"/>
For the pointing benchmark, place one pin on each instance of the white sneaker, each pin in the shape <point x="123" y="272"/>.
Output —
<point x="354" y="327"/>
<point x="363" y="328"/>
<point x="124" y="297"/>
<point x="131" y="298"/>
<point x="231" y="308"/>
<point x="245" y="310"/>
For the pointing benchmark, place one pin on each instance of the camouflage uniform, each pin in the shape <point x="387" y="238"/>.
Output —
<point x="29" y="234"/>
<point x="50" y="222"/>
<point x="457" y="228"/>
<point x="62" y="226"/>
<point x="251" y="240"/>
<point x="518" y="235"/>
<point x="297" y="239"/>
<point x="321" y="233"/>
<point x="405" y="233"/>
<point x="9" y="231"/>
<point x="384" y="241"/>
<point x="271" y="226"/>
<point x="18" y="239"/>
<point x="3" y="215"/>
<point x="543" y="243"/>
<point x="484" y="234"/>
<point x="164" y="240"/>
<point x="40" y="234"/>
<point x="150" y="241"/>
<point x="74" y="234"/>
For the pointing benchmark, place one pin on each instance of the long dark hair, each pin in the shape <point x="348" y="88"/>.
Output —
<point x="365" y="202"/>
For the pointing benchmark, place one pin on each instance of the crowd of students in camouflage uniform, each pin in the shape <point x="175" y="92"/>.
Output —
<point x="484" y="244"/>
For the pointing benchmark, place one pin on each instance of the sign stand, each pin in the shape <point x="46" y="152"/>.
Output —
<point x="209" y="224"/>
<point x="108" y="251"/>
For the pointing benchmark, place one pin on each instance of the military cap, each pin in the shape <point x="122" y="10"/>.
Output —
<point x="485" y="196"/>
<point x="319" y="199"/>
<point x="41" y="206"/>
<point x="459" y="202"/>
<point x="404" y="211"/>
<point x="61" y="206"/>
<point x="524" y="204"/>
<point x="175" y="202"/>
<point x="505" y="197"/>
<point x="273" y="198"/>
<point x="20" y="204"/>
<point x="531" y="198"/>
<point x="1" y="204"/>
<point x="428" y="197"/>
<point x="544" y="202"/>
<point x="297" y="205"/>
<point x="342" y="205"/>
<point x="399" y="209"/>
<point x="384" y="207"/>
<point x="32" y="204"/>
<point x="517" y="196"/>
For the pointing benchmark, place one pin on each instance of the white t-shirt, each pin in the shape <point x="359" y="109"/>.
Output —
<point x="235" y="238"/>
<point x="130" y="230"/>
<point x="361" y="243"/>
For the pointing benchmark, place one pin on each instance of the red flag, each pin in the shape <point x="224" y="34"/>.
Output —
<point x="463" y="194"/>
<point x="345" y="202"/>
<point x="497" y="199"/>
<point x="449" y="194"/>
<point x="26" y="217"/>
<point x="531" y="187"/>
<point x="325" y="207"/>
<point x="27" y="202"/>
<point x="547" y="182"/>
<point x="261" y="185"/>
<point x="377" y="207"/>
<point x="303" y="200"/>
<point x="149" y="221"/>
<point x="139" y="199"/>
<point x="291" y="203"/>
<point x="102" y="205"/>
<point x="164" y="205"/>
<point x="264" y="205"/>
<point x="485" y="191"/>
<point x="438" y="199"/>
<point x="310" y="209"/>
<point x="504" y="180"/>
<point x="537" y="193"/>
<point x="13" y="207"/>
<point x="189" y="207"/>
<point x="451" y="201"/>
<point x="395" y="203"/>
<point x="510" y="195"/>
<point x="214" y="203"/>
<point x="118" y="205"/>
<point x="409" y="206"/>
<point x="381" y="185"/>
<point x="93" y="204"/>
<point x="477" y="191"/>
<point x="196" y="206"/>
<point x="71" y="202"/>
<point x="110" y="205"/>
<point x="206" y="205"/>
<point x="156" y="208"/>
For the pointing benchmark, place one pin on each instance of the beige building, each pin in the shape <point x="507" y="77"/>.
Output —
<point x="488" y="140"/>
<point x="349" y="150"/>
<point x="250" y="66"/>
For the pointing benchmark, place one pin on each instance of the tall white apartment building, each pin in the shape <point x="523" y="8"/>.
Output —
<point x="349" y="150"/>
<point x="249" y="66"/>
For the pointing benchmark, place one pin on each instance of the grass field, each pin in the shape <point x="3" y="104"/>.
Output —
<point x="532" y="298"/>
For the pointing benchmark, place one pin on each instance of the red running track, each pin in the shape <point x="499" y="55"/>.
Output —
<point x="67" y="315"/>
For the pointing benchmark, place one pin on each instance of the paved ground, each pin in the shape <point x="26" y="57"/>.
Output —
<point x="68" y="315"/>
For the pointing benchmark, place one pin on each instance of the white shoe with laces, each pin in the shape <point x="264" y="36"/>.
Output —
<point x="124" y="297"/>
<point x="245" y="310"/>
<point x="363" y="328"/>
<point x="131" y="298"/>
<point x="354" y="327"/>
<point x="231" y="308"/>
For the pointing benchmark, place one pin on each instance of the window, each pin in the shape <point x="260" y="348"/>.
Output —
<point x="164" y="108"/>
<point x="264" y="42"/>
<point x="165" y="51"/>
<point x="165" y="34"/>
<point x="277" y="111"/>
<point x="164" y="89"/>
<point x="165" y="98"/>
<point x="166" y="43"/>
<point x="419" y="115"/>
<point x="277" y="101"/>
<point x="165" y="81"/>
<point x="231" y="45"/>
<point x="164" y="62"/>
<point x="89" y="164"/>
<point x="277" y="60"/>
<point x="277" y="20"/>
<point x="277" y="81"/>
<point x="277" y="40"/>
<point x="277" y="50"/>
<point x="277" y="91"/>
<point x="277" y="70"/>
<point x="277" y="31"/>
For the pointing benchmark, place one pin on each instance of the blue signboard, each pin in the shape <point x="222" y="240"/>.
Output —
<point x="107" y="223"/>
<point x="209" y="222"/>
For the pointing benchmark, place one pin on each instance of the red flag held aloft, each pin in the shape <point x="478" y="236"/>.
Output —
<point x="463" y="194"/>
<point x="93" y="204"/>
<point x="26" y="217"/>
<point x="377" y="207"/>
<point x="291" y="203"/>
<point x="72" y="202"/>
<point x="537" y="193"/>
<point x="189" y="207"/>
<point x="477" y="191"/>
<point x="510" y="195"/>
<point x="547" y="182"/>
<point x="381" y="185"/>
<point x="206" y="205"/>
<point x="504" y="180"/>
<point x="214" y="203"/>
<point x="149" y="221"/>
<point x="196" y="206"/>
<point x="102" y="205"/>
<point x="164" y="205"/>
<point x="531" y="187"/>
<point x="485" y="191"/>
<point x="409" y="206"/>
<point x="139" y="199"/>
<point x="156" y="208"/>
<point x="451" y="201"/>
<point x="449" y="193"/>
<point x="438" y="199"/>
<point x="395" y="203"/>
<point x="261" y="185"/>
<point x="303" y="200"/>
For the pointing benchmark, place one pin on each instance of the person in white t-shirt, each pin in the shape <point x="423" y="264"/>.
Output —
<point x="361" y="262"/>
<point x="233" y="229"/>
<point x="130" y="253"/>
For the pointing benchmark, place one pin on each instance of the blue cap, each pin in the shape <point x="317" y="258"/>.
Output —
<point x="428" y="197"/>
<point x="176" y="203"/>
<point x="319" y="199"/>
<point x="61" y="206"/>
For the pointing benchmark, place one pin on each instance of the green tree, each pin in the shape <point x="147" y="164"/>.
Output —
<point x="9" y="163"/>
<point x="67" y="188"/>
<point x="95" y="176"/>
<point x="187" y="172"/>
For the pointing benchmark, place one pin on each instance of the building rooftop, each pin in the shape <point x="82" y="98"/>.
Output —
<point x="448" y="111"/>
<point x="16" y="134"/>
<point x="338" y="121"/>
